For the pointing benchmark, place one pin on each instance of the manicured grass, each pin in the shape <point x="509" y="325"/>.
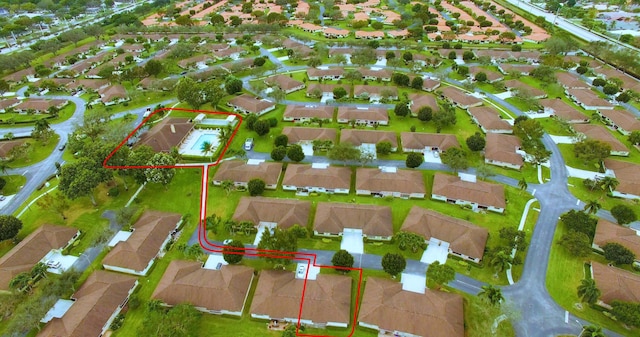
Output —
<point x="571" y="160"/>
<point x="14" y="183"/>
<point x="9" y="120"/>
<point x="563" y="277"/>
<point x="581" y="192"/>
<point x="532" y="217"/>
<point x="552" y="127"/>
<point x="37" y="152"/>
<point x="479" y="317"/>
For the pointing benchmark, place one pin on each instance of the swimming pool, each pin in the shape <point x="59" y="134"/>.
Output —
<point x="211" y="138"/>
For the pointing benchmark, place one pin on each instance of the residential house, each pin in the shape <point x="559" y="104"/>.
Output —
<point x="488" y="119"/>
<point x="427" y="142"/>
<point x="601" y="133"/>
<point x="459" y="98"/>
<point x="522" y="69"/>
<point x="429" y="84"/>
<point x="324" y="91"/>
<point x="628" y="82"/>
<point x="496" y="55"/>
<point x="418" y="101"/>
<point x="279" y="296"/>
<point x="628" y="176"/>
<point x="366" y="140"/>
<point x="374" y="35"/>
<point x="325" y="73"/>
<point x="137" y="253"/>
<point x="398" y="34"/>
<point x="246" y="103"/>
<point x="286" y="83"/>
<point x="39" y="105"/>
<point x="376" y="74"/>
<point x="571" y="81"/>
<point x="369" y="116"/>
<point x="492" y="76"/>
<point x="8" y="103"/>
<point x="88" y="84"/>
<point x="609" y="232"/>
<point x="335" y="33"/>
<point x="304" y="113"/>
<point x="169" y="133"/>
<point x="615" y="284"/>
<point x="221" y="291"/>
<point x="282" y="212"/>
<point x="558" y="108"/>
<point x="232" y="53"/>
<point x="372" y="221"/>
<point x="196" y="62"/>
<point x="375" y="92"/>
<point x="389" y="181"/>
<point x="241" y="173"/>
<point x="113" y="94"/>
<point x="588" y="99"/>
<point x="504" y="150"/>
<point x="317" y="177"/>
<point x="95" y="306"/>
<point x="7" y="145"/>
<point x="462" y="238"/>
<point x="27" y="75"/>
<point x="519" y="86"/>
<point x="32" y="249"/>
<point x="621" y="120"/>
<point x="393" y="311"/>
<point x="466" y="190"/>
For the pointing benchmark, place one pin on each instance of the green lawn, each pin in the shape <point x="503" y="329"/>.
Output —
<point x="578" y="189"/>
<point x="14" y="183"/>
<point x="571" y="160"/>
<point x="10" y="120"/>
<point x="36" y="152"/>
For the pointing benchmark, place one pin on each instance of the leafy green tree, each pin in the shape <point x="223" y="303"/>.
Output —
<point x="522" y="184"/>
<point x="417" y="83"/>
<point x="592" y="206"/>
<point x="339" y="92"/>
<point x="233" y="252"/>
<point x="182" y="320"/>
<point x="281" y="140"/>
<point x="344" y="152"/>
<point x="579" y="221"/>
<point x="295" y="153"/>
<point x="233" y="85"/>
<point x="402" y="109"/>
<point x="384" y="147"/>
<point x="439" y="274"/>
<point x="414" y="159"/>
<point x="55" y="202"/>
<point x="400" y="79"/>
<point x="592" y="150"/>
<point x="491" y="294"/>
<point x="476" y="142"/>
<point x="280" y="240"/>
<point x="634" y="137"/>
<point x="626" y="312"/>
<point x="21" y="283"/>
<point x="256" y="186"/>
<point x="80" y="178"/>
<point x="250" y="121"/>
<point x="501" y="261"/>
<point x="393" y="264"/>
<point x="162" y="171"/>
<point x="588" y="291"/>
<point x="425" y="114"/>
<point x="279" y="153"/>
<point x="576" y="243"/>
<point x="608" y="183"/>
<point x="153" y="67"/>
<point x="618" y="254"/>
<point x="481" y="77"/>
<point x="444" y="118"/>
<point x="9" y="227"/>
<point x="343" y="260"/>
<point x="188" y="92"/>
<point x="409" y="240"/>
<point x="514" y="238"/>
<point x="262" y="127"/>
<point x="455" y="158"/>
<point x="623" y="214"/>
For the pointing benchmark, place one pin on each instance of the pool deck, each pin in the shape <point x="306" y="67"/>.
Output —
<point x="192" y="140"/>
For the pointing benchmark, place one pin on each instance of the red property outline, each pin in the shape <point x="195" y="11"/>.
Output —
<point x="202" y="237"/>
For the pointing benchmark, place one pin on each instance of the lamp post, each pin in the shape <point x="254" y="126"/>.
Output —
<point x="556" y="16"/>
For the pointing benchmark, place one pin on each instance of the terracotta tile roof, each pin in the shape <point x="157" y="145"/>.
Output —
<point x="502" y="148"/>
<point x="299" y="134"/>
<point x="112" y="92"/>
<point x="489" y="118"/>
<point x="31" y="249"/>
<point x="433" y="314"/>
<point x="149" y="232"/>
<point x="168" y="133"/>
<point x="623" y="119"/>
<point x="563" y="110"/>
<point x="313" y="72"/>
<point x="285" y="82"/>
<point x="420" y="141"/>
<point x="374" y="90"/>
<point x="420" y="100"/>
<point x="239" y="171"/>
<point x="250" y="103"/>
<point x="326" y="299"/>
<point x="589" y="98"/>
<point x="311" y="111"/>
<point x="374" y="220"/>
<point x="284" y="212"/>
<point x="359" y="137"/>
<point x="491" y="75"/>
<point x="571" y="81"/>
<point x="332" y="177"/>
<point x="40" y="104"/>
<point x="187" y="282"/>
<point x="518" y="85"/>
<point x="458" y="96"/>
<point x="480" y="192"/>
<point x="382" y="73"/>
<point x="7" y="145"/>
<point x="402" y="181"/>
<point x="363" y="113"/>
<point x="600" y="133"/>
<point x="100" y="295"/>
<point x="607" y="231"/>
<point x="628" y="175"/>
<point x="616" y="284"/>
<point x="88" y="83"/>
<point x="463" y="236"/>
<point x="365" y="34"/>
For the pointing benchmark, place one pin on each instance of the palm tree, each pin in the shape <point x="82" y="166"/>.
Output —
<point x="608" y="184"/>
<point x="587" y="291"/>
<point x="21" y="282"/>
<point x="592" y="206"/>
<point x="227" y="185"/>
<point x="38" y="271"/>
<point x="491" y="294"/>
<point x="522" y="184"/>
<point x="501" y="261"/>
<point x="205" y="148"/>
<point x="592" y="331"/>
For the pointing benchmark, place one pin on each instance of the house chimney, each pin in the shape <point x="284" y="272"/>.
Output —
<point x="173" y="128"/>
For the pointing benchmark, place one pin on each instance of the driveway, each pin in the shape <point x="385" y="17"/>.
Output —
<point x="352" y="241"/>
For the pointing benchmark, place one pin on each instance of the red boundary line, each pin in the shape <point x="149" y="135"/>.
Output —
<point x="202" y="237"/>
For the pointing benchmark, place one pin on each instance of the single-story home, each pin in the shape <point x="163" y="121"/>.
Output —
<point x="335" y="33"/>
<point x="283" y="212"/>
<point x="571" y="81"/>
<point x="40" y="105"/>
<point x="95" y="305"/>
<point x="615" y="284"/>
<point x="504" y="150"/>
<point x="221" y="291"/>
<point x="241" y="172"/>
<point x="492" y="76"/>
<point x="371" y="74"/>
<point x="302" y="135"/>
<point x="389" y="181"/>
<point x="7" y="145"/>
<point x="7" y="103"/>
<point x="304" y="113"/>
<point x="459" y="98"/>
<point x="367" y="139"/>
<point x="522" y="69"/>
<point x="418" y="101"/>
<point x="279" y="296"/>
<point x="621" y="120"/>
<point x="197" y="62"/>
<point x="601" y="133"/>
<point x="488" y="119"/>
<point x="464" y="239"/>
<point x="375" y="92"/>
<point x="113" y="94"/>
<point x="246" y="103"/>
<point x="319" y="90"/>
<point x="374" y="35"/>
<point x="628" y="176"/>
<point x="32" y="249"/>
<point x="609" y="232"/>
<point x="167" y="134"/>
<point x="519" y="86"/>
<point x="286" y="83"/>
<point x="466" y="190"/>
<point x="588" y="99"/>
<point x="325" y="73"/>
<point x="137" y="253"/>
<point x="427" y="142"/>
<point x="333" y="218"/>
<point x="562" y="110"/>
<point x="393" y="311"/>
<point x="317" y="177"/>
<point x="369" y="116"/>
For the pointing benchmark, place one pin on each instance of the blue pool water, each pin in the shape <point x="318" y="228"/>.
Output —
<point x="204" y="138"/>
